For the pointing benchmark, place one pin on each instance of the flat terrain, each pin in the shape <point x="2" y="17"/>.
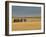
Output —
<point x="33" y="25"/>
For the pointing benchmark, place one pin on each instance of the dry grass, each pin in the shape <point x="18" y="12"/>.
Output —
<point x="33" y="25"/>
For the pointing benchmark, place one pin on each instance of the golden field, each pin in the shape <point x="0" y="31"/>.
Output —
<point x="34" y="24"/>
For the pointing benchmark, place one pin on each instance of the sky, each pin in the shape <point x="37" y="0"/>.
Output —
<point x="24" y="11"/>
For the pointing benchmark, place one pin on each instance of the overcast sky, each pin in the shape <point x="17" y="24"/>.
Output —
<point x="22" y="11"/>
